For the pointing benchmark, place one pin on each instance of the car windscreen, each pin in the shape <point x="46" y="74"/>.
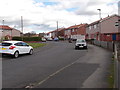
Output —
<point x="80" y="40"/>
<point x="5" y="44"/>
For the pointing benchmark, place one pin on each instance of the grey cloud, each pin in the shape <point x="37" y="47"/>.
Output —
<point x="91" y="3"/>
<point x="43" y="27"/>
<point x="79" y="12"/>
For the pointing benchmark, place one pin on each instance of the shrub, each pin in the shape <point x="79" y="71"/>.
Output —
<point x="17" y="38"/>
<point x="27" y="38"/>
<point x="61" y="38"/>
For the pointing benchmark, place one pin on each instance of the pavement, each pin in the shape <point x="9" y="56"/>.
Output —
<point x="58" y="65"/>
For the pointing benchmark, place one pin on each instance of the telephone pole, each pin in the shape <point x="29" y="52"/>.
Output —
<point x="22" y="27"/>
<point x="57" y="29"/>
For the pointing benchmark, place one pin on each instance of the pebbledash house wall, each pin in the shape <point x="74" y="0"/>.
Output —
<point x="104" y="29"/>
<point x="108" y="25"/>
<point x="109" y="30"/>
<point x="93" y="30"/>
<point x="16" y="33"/>
<point x="10" y="32"/>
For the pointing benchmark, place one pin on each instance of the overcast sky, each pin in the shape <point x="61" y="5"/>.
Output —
<point x="42" y="15"/>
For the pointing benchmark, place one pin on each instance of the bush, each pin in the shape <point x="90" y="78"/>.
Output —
<point x="27" y="38"/>
<point x="61" y="38"/>
<point x="17" y="38"/>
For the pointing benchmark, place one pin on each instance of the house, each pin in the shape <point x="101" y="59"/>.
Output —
<point x="76" y="31"/>
<point x="104" y="29"/>
<point x="8" y="32"/>
<point x="41" y="34"/>
<point x="56" y="33"/>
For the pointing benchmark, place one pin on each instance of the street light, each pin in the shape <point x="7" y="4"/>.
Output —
<point x="99" y="25"/>
<point x="99" y="13"/>
<point x="57" y="29"/>
<point x="22" y="26"/>
<point x="2" y="29"/>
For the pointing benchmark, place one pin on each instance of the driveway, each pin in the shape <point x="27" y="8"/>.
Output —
<point x="58" y="65"/>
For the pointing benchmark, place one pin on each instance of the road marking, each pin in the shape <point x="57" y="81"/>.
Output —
<point x="53" y="74"/>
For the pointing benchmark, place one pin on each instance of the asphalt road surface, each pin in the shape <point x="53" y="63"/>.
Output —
<point x="58" y="65"/>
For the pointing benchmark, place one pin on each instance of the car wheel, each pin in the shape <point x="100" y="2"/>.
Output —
<point x="16" y="54"/>
<point x="76" y="48"/>
<point x="86" y="47"/>
<point x="31" y="52"/>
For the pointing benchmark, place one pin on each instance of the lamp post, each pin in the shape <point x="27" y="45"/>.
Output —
<point x="2" y="29"/>
<point x="57" y="30"/>
<point x="99" y="13"/>
<point x="99" y="25"/>
<point x="22" y="27"/>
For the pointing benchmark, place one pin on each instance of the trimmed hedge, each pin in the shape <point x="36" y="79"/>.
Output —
<point x="17" y="38"/>
<point x="61" y="39"/>
<point x="27" y="38"/>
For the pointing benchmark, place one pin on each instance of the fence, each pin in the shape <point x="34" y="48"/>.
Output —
<point x="104" y="44"/>
<point x="117" y="50"/>
<point x="113" y="46"/>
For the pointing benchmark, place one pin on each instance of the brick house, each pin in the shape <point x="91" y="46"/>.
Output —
<point x="56" y="33"/>
<point x="76" y="31"/>
<point x="8" y="32"/>
<point x="104" y="29"/>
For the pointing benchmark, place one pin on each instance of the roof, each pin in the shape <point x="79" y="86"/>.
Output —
<point x="96" y="22"/>
<point x="5" y="27"/>
<point x="110" y="17"/>
<point x="59" y="29"/>
<point x="76" y="26"/>
<point x="106" y="18"/>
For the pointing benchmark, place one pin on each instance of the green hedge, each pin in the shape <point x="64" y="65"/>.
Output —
<point x="61" y="39"/>
<point x="17" y="38"/>
<point x="27" y="38"/>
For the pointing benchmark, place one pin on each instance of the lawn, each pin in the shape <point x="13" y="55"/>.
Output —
<point x="36" y="45"/>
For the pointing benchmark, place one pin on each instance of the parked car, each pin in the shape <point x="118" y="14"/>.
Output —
<point x="49" y="39"/>
<point x="80" y="43"/>
<point x="44" y="39"/>
<point x="56" y="39"/>
<point x="15" y="48"/>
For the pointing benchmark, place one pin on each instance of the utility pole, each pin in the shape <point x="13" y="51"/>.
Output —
<point x="99" y="25"/>
<point x="22" y="27"/>
<point x="57" y="29"/>
<point x="2" y="29"/>
<point x="99" y="13"/>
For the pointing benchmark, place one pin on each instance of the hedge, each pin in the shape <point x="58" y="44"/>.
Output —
<point x="27" y="38"/>
<point x="61" y="39"/>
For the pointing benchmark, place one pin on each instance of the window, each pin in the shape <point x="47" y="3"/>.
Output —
<point x="6" y="44"/>
<point x="19" y="44"/>
<point x="89" y="27"/>
<point x="72" y="30"/>
<point x="95" y="26"/>
<point x="24" y="44"/>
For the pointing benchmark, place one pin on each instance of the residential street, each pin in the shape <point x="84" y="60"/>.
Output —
<point x="58" y="65"/>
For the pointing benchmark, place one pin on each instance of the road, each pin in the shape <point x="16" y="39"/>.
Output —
<point x="58" y="65"/>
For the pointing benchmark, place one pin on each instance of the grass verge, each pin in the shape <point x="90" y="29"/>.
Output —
<point x="37" y="45"/>
<point x="111" y="75"/>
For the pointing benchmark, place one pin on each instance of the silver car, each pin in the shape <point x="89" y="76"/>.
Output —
<point x="80" y="43"/>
